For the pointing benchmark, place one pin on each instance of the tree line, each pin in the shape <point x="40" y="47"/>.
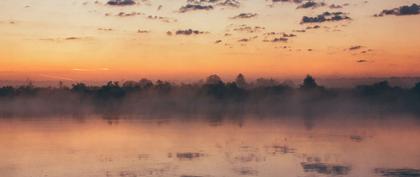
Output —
<point x="211" y="96"/>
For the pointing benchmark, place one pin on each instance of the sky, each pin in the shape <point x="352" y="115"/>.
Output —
<point x="182" y="40"/>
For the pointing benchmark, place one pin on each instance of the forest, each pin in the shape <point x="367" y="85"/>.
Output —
<point x="210" y="97"/>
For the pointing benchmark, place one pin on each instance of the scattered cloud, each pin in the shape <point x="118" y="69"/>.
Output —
<point x="311" y="4"/>
<point x="71" y="38"/>
<point x="248" y="29"/>
<point x="194" y="7"/>
<point x="356" y="47"/>
<point x="120" y="2"/>
<point x="280" y="39"/>
<point x="414" y="9"/>
<point x="162" y="19"/>
<point x="294" y="1"/>
<point x="285" y="35"/>
<point x="335" y="6"/>
<point x="230" y="3"/>
<point x="127" y="14"/>
<point x="313" y="27"/>
<point x="186" y="32"/>
<point x="105" y="29"/>
<point x="244" y="40"/>
<point x="247" y="39"/>
<point x="326" y="16"/>
<point x="244" y="15"/>
<point x="143" y="31"/>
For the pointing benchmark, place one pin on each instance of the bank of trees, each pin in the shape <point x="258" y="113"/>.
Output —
<point x="213" y="95"/>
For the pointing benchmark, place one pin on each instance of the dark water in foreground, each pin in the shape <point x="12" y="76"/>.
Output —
<point x="293" y="147"/>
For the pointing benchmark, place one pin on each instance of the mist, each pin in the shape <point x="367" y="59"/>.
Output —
<point x="209" y="97"/>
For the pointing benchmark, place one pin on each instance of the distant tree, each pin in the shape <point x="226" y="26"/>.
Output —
<point x="145" y="83"/>
<point x="214" y="86"/>
<point x="214" y="80"/>
<point x="79" y="88"/>
<point x="309" y="83"/>
<point x="7" y="91"/>
<point x="289" y="83"/>
<point x="263" y="82"/>
<point x="241" y="81"/>
<point x="60" y="85"/>
<point x="416" y="88"/>
<point x="163" y="86"/>
<point x="111" y="90"/>
<point x="130" y="84"/>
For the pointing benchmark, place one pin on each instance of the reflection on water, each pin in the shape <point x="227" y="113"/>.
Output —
<point x="194" y="147"/>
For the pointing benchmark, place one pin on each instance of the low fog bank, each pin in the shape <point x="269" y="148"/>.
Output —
<point x="213" y="96"/>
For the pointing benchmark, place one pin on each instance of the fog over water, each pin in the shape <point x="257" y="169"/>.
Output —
<point x="212" y="97"/>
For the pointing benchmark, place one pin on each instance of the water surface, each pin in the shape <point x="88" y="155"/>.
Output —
<point x="269" y="147"/>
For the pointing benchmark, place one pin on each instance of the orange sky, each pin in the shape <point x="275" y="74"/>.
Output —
<point x="66" y="40"/>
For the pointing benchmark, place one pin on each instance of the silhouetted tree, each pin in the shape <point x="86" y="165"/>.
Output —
<point x="163" y="86"/>
<point x="309" y="83"/>
<point x="111" y="90"/>
<point x="79" y="88"/>
<point x="416" y="88"/>
<point x="214" y="80"/>
<point x="263" y="82"/>
<point x="145" y="83"/>
<point x="7" y="91"/>
<point x="241" y="81"/>
<point x="214" y="86"/>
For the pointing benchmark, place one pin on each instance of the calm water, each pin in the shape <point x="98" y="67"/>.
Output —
<point x="133" y="147"/>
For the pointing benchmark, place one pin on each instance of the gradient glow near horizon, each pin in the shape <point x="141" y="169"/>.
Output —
<point x="90" y="40"/>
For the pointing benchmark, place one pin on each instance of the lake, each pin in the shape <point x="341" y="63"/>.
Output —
<point x="95" y="146"/>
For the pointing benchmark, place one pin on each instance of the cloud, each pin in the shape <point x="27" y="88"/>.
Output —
<point x="294" y="1"/>
<point x="326" y="16"/>
<point x="143" y="31"/>
<point x="71" y="38"/>
<point x="186" y="32"/>
<point x="194" y="7"/>
<point x="244" y="40"/>
<point x="247" y="39"/>
<point x="120" y="2"/>
<point x="335" y="6"/>
<point x="163" y="19"/>
<point x="217" y="41"/>
<point x="280" y="39"/>
<point x="414" y="9"/>
<point x="230" y="3"/>
<point x="105" y="29"/>
<point x="311" y="4"/>
<point x="282" y="34"/>
<point x="299" y="31"/>
<point x="313" y="27"/>
<point x="244" y="15"/>
<point x="356" y="47"/>
<point x="201" y="1"/>
<point x="248" y="29"/>
<point x="125" y="14"/>
<point x="361" y="61"/>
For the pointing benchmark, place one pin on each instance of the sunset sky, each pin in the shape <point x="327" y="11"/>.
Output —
<point x="92" y="40"/>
